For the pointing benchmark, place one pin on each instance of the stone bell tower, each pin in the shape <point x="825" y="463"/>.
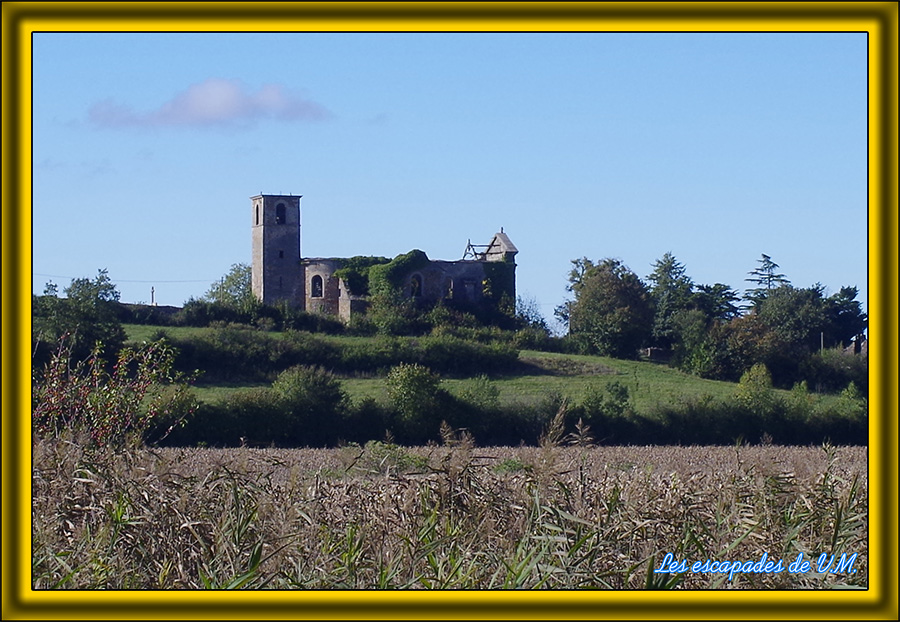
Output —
<point x="275" y="266"/>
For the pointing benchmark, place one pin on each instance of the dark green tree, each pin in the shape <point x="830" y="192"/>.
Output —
<point x="795" y="315"/>
<point x="89" y="313"/>
<point x="691" y="351"/>
<point x="717" y="301"/>
<point x="612" y="314"/>
<point x="671" y="290"/>
<point x="766" y="277"/>
<point x="797" y="319"/>
<point x="576" y="276"/>
<point x="313" y="403"/>
<point x="845" y="319"/>
<point x="733" y="347"/>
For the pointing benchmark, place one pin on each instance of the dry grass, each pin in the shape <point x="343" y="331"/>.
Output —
<point x="452" y="516"/>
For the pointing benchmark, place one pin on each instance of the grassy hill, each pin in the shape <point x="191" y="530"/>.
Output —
<point x="538" y="376"/>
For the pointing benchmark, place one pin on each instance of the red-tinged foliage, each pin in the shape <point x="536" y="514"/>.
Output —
<point x="140" y="394"/>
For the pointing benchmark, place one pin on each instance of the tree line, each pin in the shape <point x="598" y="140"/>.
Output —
<point x="799" y="334"/>
<point x="709" y="330"/>
<point x="87" y="377"/>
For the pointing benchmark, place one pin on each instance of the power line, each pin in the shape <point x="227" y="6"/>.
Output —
<point x="60" y="276"/>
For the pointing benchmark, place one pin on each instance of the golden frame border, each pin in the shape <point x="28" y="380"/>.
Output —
<point x="877" y="19"/>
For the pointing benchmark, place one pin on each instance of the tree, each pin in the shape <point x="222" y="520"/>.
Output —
<point x="691" y="348"/>
<point x="88" y="314"/>
<point x="528" y="314"/>
<point x="612" y="313"/>
<point x="414" y="391"/>
<point x="766" y="278"/>
<point x="580" y="267"/>
<point x="234" y="290"/>
<point x="576" y="276"/>
<point x="313" y="403"/>
<point x="733" y="347"/>
<point x="795" y="315"/>
<point x="845" y="319"/>
<point x="671" y="291"/>
<point x="717" y="301"/>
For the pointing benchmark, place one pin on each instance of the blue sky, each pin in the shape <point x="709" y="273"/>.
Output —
<point x="717" y="147"/>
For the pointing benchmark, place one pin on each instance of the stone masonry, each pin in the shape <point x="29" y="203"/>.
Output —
<point x="281" y="273"/>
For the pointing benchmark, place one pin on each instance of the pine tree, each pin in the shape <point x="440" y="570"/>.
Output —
<point x="766" y="279"/>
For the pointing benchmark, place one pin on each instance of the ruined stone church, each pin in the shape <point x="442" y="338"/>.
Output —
<point x="484" y="276"/>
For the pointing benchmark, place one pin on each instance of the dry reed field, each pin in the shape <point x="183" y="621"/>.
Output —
<point x="563" y="515"/>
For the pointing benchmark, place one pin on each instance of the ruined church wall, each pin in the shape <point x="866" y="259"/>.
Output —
<point x="461" y="281"/>
<point x="323" y="291"/>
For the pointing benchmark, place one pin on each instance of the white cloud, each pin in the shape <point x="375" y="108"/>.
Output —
<point x="214" y="102"/>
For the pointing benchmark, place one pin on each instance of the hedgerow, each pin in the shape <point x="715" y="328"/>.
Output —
<point x="234" y="353"/>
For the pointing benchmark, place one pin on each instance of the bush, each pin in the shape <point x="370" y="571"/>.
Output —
<point x="201" y="313"/>
<point x="391" y="314"/>
<point x="365" y="421"/>
<point x="233" y="353"/>
<point x="305" y="406"/>
<point x="443" y="354"/>
<point x="413" y="391"/>
<point x="608" y="412"/>
<point x="113" y="408"/>
<point x="293" y="319"/>
<point x="754" y="391"/>
<point x="237" y="353"/>
<point x="833" y="369"/>
<point x="482" y="394"/>
<point x="313" y="404"/>
<point x="256" y="416"/>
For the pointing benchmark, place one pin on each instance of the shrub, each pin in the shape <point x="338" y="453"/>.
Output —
<point x="305" y="406"/>
<point x="294" y="319"/>
<point x="608" y="412"/>
<point x="203" y="313"/>
<point x="139" y="395"/>
<point x="365" y="421"/>
<point x="392" y="314"/>
<point x="313" y="404"/>
<point x="533" y="338"/>
<point x="255" y="416"/>
<point x="482" y="394"/>
<point x="413" y="390"/>
<point x="754" y="391"/>
<point x="833" y="369"/>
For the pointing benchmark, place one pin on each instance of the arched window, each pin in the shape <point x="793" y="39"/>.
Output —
<point x="415" y="286"/>
<point x="316" y="288"/>
<point x="280" y="214"/>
